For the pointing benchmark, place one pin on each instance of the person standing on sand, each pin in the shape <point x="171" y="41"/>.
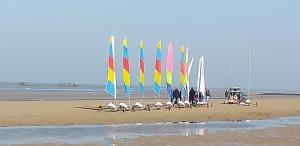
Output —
<point x="191" y="95"/>
<point x="200" y="96"/>
<point x="207" y="94"/>
<point x="226" y="95"/>
<point x="171" y="96"/>
<point x="176" y="95"/>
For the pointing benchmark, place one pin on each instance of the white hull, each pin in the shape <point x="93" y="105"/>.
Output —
<point x="158" y="104"/>
<point x="112" y="107"/>
<point x="123" y="106"/>
<point x="138" y="105"/>
<point x="181" y="104"/>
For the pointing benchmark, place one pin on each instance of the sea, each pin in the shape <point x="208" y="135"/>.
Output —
<point x="26" y="91"/>
<point x="12" y="91"/>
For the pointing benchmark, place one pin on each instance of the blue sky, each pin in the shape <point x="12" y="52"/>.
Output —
<point x="67" y="41"/>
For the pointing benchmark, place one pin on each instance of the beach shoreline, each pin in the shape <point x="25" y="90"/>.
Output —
<point x="85" y="112"/>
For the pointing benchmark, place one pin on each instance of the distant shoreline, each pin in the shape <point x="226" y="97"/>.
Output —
<point x="283" y="94"/>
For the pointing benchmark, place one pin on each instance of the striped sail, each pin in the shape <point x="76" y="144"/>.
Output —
<point x="142" y="68"/>
<point x="110" y="87"/>
<point x="157" y="73"/>
<point x="126" y="72"/>
<point x="186" y="77"/>
<point x="182" y="71"/>
<point x="169" y="75"/>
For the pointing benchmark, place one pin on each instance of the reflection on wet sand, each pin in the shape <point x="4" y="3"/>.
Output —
<point x="259" y="137"/>
<point x="145" y="134"/>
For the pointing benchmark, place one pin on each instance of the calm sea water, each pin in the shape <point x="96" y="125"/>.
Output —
<point x="106" y="134"/>
<point x="47" y="91"/>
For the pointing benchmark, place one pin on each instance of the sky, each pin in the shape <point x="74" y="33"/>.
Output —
<point x="67" y="40"/>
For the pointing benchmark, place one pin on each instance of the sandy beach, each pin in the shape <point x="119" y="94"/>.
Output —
<point x="86" y="112"/>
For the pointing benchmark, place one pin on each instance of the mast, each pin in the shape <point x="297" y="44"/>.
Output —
<point x="249" y="72"/>
<point x="231" y="79"/>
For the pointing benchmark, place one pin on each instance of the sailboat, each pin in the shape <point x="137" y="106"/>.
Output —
<point x="142" y="76"/>
<point x="157" y="74"/>
<point x="126" y="74"/>
<point x="201" y="82"/>
<point x="198" y="78"/>
<point x="169" y="73"/>
<point x="110" y="87"/>
<point x="182" y="76"/>
<point x="188" y="67"/>
<point x="186" y="80"/>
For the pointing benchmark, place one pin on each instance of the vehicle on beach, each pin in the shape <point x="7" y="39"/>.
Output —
<point x="234" y="95"/>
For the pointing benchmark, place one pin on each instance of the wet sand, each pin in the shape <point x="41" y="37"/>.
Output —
<point x="273" y="136"/>
<point x="284" y="136"/>
<point x="86" y="112"/>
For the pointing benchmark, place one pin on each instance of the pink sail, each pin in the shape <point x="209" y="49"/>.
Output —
<point x="169" y="68"/>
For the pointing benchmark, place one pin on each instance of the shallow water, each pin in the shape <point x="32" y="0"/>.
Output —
<point x="105" y="134"/>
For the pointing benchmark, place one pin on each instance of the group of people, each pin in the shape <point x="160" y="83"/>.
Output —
<point x="194" y="96"/>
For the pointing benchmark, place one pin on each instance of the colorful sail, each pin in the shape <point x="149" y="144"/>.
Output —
<point x="142" y="69"/>
<point x="169" y="75"/>
<point x="111" y="76"/>
<point x="188" y="67"/>
<point x="126" y="71"/>
<point x="182" y="71"/>
<point x="186" y="77"/>
<point x="157" y="73"/>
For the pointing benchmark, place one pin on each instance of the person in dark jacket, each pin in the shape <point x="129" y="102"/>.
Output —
<point x="207" y="92"/>
<point x="200" y="97"/>
<point x="191" y="95"/>
<point x="176" y="95"/>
